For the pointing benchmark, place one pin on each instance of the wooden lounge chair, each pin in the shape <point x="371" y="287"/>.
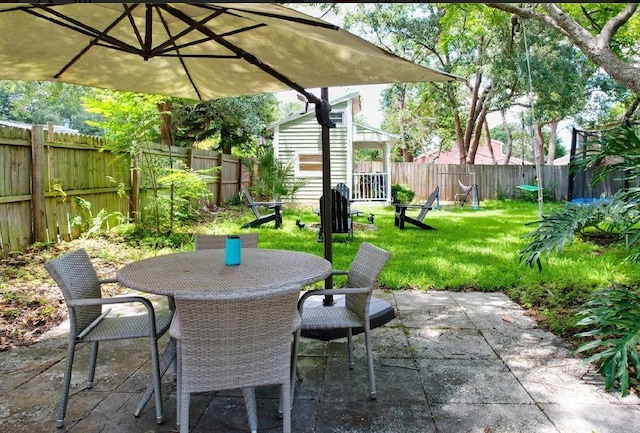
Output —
<point x="401" y="217"/>
<point x="344" y="190"/>
<point x="341" y="217"/>
<point x="276" y="216"/>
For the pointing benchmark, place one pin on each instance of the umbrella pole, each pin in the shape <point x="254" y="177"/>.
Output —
<point x="326" y="198"/>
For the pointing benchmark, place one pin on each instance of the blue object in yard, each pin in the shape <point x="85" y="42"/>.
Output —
<point x="584" y="201"/>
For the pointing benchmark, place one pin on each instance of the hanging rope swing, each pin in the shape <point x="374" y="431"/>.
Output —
<point x="535" y="147"/>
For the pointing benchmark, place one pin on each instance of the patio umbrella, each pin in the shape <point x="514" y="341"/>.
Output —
<point x="196" y="51"/>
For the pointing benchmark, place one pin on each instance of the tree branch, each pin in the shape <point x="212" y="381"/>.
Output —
<point x="529" y="13"/>
<point x="612" y="26"/>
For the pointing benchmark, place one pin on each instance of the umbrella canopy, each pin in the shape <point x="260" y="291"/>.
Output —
<point x="194" y="51"/>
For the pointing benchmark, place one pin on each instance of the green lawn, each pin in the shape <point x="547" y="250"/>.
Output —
<point x="469" y="250"/>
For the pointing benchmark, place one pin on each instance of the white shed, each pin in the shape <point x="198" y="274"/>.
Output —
<point x="298" y="138"/>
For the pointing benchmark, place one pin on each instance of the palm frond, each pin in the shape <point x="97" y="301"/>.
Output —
<point x="613" y="316"/>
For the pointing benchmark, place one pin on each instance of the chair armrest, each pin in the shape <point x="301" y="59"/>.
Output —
<point x="151" y="314"/>
<point x="323" y="292"/>
<point x="269" y="203"/>
<point x="409" y="206"/>
<point x="109" y="280"/>
<point x="114" y="300"/>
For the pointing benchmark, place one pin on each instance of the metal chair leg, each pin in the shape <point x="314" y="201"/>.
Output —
<point x="66" y="384"/>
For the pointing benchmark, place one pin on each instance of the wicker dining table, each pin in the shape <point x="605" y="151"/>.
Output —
<point x="206" y="271"/>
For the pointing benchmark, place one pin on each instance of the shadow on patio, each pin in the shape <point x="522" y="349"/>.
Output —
<point x="449" y="362"/>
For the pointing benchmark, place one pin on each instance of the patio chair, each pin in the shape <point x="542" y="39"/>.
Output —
<point x="260" y="219"/>
<point x="401" y="216"/>
<point x="236" y="340"/>
<point x="76" y="277"/>
<point x="361" y="280"/>
<point x="341" y="217"/>
<point x="218" y="242"/>
<point x="462" y="197"/>
<point x="344" y="190"/>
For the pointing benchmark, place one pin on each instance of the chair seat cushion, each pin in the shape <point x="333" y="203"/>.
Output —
<point x="113" y="328"/>
<point x="332" y="317"/>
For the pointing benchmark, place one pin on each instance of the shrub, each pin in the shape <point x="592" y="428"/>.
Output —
<point x="401" y="193"/>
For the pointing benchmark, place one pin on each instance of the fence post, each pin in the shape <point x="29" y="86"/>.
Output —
<point x="220" y="180"/>
<point x="134" y="203"/>
<point x="37" y="184"/>
<point x="240" y="175"/>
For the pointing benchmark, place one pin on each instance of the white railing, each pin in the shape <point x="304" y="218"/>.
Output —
<point x="370" y="186"/>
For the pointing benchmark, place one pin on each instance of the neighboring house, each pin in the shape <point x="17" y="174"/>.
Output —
<point x="56" y="128"/>
<point x="483" y="156"/>
<point x="298" y="138"/>
<point x="563" y="160"/>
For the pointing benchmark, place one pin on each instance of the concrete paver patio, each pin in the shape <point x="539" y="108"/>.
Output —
<point x="449" y="363"/>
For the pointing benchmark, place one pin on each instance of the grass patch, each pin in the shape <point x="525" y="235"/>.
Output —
<point x="469" y="250"/>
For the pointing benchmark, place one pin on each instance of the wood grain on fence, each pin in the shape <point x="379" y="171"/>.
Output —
<point x="493" y="181"/>
<point x="73" y="169"/>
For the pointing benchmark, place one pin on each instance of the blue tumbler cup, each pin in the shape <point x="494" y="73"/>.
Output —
<point x="233" y="251"/>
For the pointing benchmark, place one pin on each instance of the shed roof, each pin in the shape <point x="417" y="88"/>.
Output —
<point x="311" y="112"/>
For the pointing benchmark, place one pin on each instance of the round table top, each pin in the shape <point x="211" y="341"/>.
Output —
<point x="205" y="270"/>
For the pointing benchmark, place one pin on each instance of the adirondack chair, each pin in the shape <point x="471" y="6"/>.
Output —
<point x="401" y="217"/>
<point x="276" y="216"/>
<point x="340" y="215"/>
<point x="344" y="190"/>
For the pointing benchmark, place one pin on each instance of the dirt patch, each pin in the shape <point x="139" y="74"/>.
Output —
<point x="31" y="302"/>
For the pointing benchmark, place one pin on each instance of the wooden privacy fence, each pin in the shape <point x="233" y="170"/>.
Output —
<point x="45" y="177"/>
<point x="493" y="181"/>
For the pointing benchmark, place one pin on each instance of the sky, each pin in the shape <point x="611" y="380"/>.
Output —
<point x="369" y="97"/>
<point x="369" y="94"/>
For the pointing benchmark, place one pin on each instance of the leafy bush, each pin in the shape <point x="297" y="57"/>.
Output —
<point x="176" y="197"/>
<point x="401" y="193"/>
<point x="612" y="314"/>
<point x="275" y="179"/>
<point x="614" y="318"/>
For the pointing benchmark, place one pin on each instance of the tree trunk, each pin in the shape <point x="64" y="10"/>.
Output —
<point x="462" y="151"/>
<point x="406" y="156"/>
<point x="487" y="136"/>
<point x="538" y="144"/>
<point x="166" y="130"/>
<point x="507" y="131"/>
<point x="477" y="132"/>
<point x="553" y="138"/>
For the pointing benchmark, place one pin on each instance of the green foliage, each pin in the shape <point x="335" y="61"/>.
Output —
<point x="618" y="218"/>
<point x="128" y="119"/>
<point x="401" y="193"/>
<point x="176" y="199"/>
<point x="275" y="179"/>
<point x="556" y="231"/>
<point x="232" y="122"/>
<point x="39" y="102"/>
<point x="613" y="316"/>
<point x="95" y="225"/>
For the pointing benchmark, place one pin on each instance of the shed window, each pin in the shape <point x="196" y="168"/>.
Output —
<point x="310" y="162"/>
<point x="337" y="117"/>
